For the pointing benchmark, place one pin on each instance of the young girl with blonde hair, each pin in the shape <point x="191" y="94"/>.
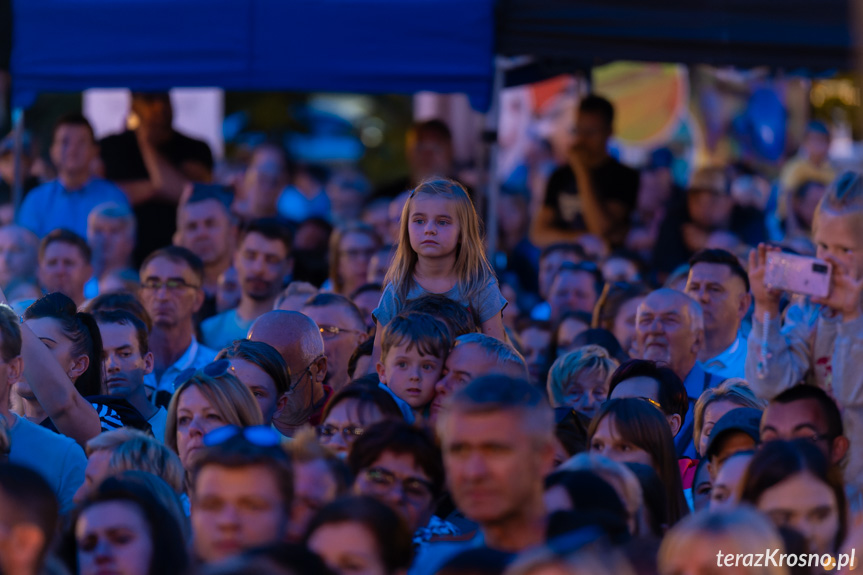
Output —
<point x="441" y="251"/>
<point x="817" y="340"/>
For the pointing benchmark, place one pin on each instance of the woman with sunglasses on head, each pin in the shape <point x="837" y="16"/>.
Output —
<point x="204" y="400"/>
<point x="351" y="411"/>
<point x="264" y="372"/>
<point x="633" y="430"/>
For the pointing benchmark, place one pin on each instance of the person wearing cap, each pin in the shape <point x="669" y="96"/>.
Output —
<point x="67" y="201"/>
<point x="737" y="430"/>
<point x="707" y="207"/>
<point x="594" y="193"/>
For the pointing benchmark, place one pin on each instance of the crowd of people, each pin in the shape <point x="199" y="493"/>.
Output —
<point x="297" y="373"/>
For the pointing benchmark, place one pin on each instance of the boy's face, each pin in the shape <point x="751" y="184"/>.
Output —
<point x="410" y="375"/>
<point x="838" y="235"/>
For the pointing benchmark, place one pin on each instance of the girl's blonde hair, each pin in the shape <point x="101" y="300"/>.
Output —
<point x="844" y="196"/>
<point x="472" y="268"/>
<point x="741" y="530"/>
<point x="227" y="395"/>
<point x="583" y="359"/>
<point x="736" y="390"/>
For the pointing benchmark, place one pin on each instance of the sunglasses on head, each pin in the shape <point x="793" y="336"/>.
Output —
<point x="213" y="370"/>
<point x="258" y="435"/>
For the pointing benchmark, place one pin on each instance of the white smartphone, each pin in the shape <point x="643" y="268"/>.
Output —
<point x="798" y="274"/>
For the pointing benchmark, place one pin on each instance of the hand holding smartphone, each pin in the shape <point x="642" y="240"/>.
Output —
<point x="798" y="274"/>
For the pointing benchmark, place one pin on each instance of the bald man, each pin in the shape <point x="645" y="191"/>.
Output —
<point x="669" y="329"/>
<point x="299" y="340"/>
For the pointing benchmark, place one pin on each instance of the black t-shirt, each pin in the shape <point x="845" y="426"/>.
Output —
<point x="612" y="181"/>
<point x="157" y="219"/>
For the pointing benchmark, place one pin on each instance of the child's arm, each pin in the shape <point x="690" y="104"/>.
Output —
<point x="492" y="327"/>
<point x="376" y="349"/>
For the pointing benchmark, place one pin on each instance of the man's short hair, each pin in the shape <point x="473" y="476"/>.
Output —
<point x="120" y="301"/>
<point x="264" y="356"/>
<point x="829" y="409"/>
<point x="239" y="453"/>
<point x="65" y="236"/>
<point x="434" y="127"/>
<point x="270" y="228"/>
<point x="457" y="317"/>
<point x="74" y="119"/>
<point x="566" y="247"/>
<point x="328" y="299"/>
<point x="593" y="104"/>
<point x="10" y="333"/>
<point x="672" y="395"/>
<point x="495" y="393"/>
<point x="202" y="192"/>
<point x="115" y="211"/>
<point x="719" y="256"/>
<point x="123" y="317"/>
<point x="503" y="353"/>
<point x="132" y="449"/>
<point x="587" y="267"/>
<point x="400" y="438"/>
<point x="27" y="498"/>
<point x="178" y="255"/>
<point x="429" y="335"/>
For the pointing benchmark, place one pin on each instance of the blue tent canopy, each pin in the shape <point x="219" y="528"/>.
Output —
<point x="363" y="46"/>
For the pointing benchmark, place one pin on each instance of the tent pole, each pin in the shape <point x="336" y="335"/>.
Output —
<point x="492" y="192"/>
<point x="18" y="129"/>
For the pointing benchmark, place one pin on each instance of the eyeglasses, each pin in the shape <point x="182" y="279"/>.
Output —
<point x="348" y="433"/>
<point x="413" y="488"/>
<point x="331" y="331"/>
<point x="212" y="370"/>
<point x="259" y="435"/>
<point x="173" y="284"/>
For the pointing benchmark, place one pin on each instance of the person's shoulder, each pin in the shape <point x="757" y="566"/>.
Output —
<point x="218" y="320"/>
<point x="38" y="193"/>
<point x="193" y="148"/>
<point x="42" y="436"/>
<point x="618" y="169"/>
<point x="120" y="139"/>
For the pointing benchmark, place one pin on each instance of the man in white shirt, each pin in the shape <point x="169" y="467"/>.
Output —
<point x="718" y="281"/>
<point x="127" y="359"/>
<point x="171" y="292"/>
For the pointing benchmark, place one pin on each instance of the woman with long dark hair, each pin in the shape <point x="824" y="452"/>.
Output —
<point x="632" y="430"/>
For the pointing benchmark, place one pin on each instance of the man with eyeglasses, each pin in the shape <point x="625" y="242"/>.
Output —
<point x="298" y="339"/>
<point x="401" y="465"/>
<point x="343" y="329"/>
<point x="262" y="261"/>
<point x="242" y="492"/>
<point x="171" y="293"/>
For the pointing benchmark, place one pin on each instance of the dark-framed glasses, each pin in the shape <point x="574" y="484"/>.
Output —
<point x="383" y="480"/>
<point x="349" y="433"/>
